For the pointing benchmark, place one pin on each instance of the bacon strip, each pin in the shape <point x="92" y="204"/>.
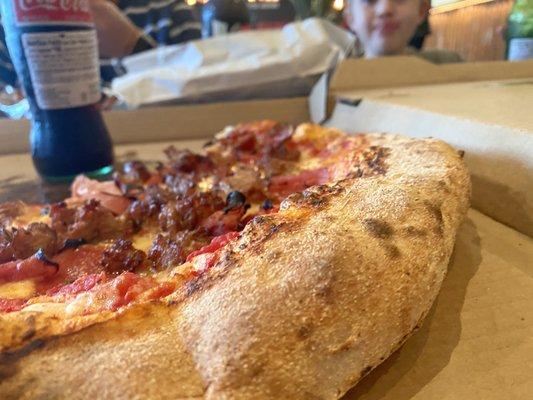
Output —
<point x="107" y="193"/>
<point x="30" y="268"/>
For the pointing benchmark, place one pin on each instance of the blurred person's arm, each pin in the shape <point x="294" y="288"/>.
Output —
<point x="117" y="35"/>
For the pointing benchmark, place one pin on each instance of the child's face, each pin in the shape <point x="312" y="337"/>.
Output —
<point x="385" y="27"/>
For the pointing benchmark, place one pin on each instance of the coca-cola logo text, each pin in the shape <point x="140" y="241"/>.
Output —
<point x="55" y="12"/>
<point x="53" y="5"/>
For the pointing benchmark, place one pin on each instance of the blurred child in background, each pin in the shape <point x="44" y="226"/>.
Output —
<point x="385" y="27"/>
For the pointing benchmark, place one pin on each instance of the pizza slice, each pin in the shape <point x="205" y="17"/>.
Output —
<point x="280" y="263"/>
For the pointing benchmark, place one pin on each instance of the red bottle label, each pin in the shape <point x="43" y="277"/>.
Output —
<point x="53" y="12"/>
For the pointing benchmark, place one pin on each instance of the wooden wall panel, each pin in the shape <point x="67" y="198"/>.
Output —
<point x="471" y="31"/>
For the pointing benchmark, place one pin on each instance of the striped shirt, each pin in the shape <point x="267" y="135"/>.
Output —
<point x="166" y="21"/>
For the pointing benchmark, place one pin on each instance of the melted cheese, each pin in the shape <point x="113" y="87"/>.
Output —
<point x="143" y="240"/>
<point x="316" y="133"/>
<point x="309" y="163"/>
<point x="206" y="184"/>
<point x="17" y="290"/>
<point x="31" y="214"/>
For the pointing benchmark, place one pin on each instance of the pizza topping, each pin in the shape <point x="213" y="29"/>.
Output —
<point x="72" y="264"/>
<point x="42" y="257"/>
<point x="187" y="213"/>
<point x="9" y="211"/>
<point x="119" y="292"/>
<point x="222" y="222"/>
<point x="263" y="144"/>
<point x="133" y="177"/>
<point x="181" y="184"/>
<point x="92" y="221"/>
<point x="10" y="305"/>
<point x="61" y="216"/>
<point x="234" y="200"/>
<point x="243" y="178"/>
<point x="106" y="193"/>
<point x="187" y="161"/>
<point x="216" y="243"/>
<point x="316" y="136"/>
<point x="136" y="171"/>
<point x="24" y="289"/>
<point x="89" y="221"/>
<point x="82" y="284"/>
<point x="285" y="150"/>
<point x="84" y="259"/>
<point x="267" y="205"/>
<point x="19" y="243"/>
<point x="149" y="203"/>
<point x="206" y="257"/>
<point x="168" y="251"/>
<point x="73" y="243"/>
<point x="121" y="256"/>
<point x="129" y="287"/>
<point x="183" y="200"/>
<point x="284" y="185"/>
<point x="37" y="266"/>
<point x="230" y="218"/>
<point x="165" y="252"/>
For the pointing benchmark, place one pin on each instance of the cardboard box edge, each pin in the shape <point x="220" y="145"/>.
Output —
<point x="166" y="123"/>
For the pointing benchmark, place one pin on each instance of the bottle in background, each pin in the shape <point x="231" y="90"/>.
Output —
<point x="220" y="17"/>
<point x="54" y="49"/>
<point x="520" y="31"/>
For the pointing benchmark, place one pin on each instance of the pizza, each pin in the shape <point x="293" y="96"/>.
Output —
<point x="281" y="262"/>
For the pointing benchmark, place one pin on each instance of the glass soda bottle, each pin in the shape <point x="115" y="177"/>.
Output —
<point x="53" y="46"/>
<point x="520" y="31"/>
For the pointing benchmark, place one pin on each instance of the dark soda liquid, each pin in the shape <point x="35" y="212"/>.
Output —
<point x="70" y="141"/>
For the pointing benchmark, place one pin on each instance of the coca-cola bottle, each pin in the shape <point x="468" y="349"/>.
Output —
<point x="54" y="49"/>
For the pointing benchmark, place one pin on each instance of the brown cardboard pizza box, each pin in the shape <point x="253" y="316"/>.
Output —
<point x="477" y="341"/>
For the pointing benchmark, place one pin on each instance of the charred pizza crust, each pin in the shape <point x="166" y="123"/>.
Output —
<point x="302" y="305"/>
